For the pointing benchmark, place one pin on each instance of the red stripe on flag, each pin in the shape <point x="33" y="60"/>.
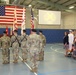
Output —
<point x="11" y="18"/>
<point x="10" y="6"/>
<point x="6" y="20"/>
<point x="9" y="24"/>
<point x="19" y="10"/>
<point x="9" y="12"/>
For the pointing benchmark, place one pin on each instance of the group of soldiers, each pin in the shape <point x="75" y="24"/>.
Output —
<point x="32" y="44"/>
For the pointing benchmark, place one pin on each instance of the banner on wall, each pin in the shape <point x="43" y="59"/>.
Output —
<point x="49" y="17"/>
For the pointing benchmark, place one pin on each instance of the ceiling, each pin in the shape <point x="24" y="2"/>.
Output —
<point x="62" y="5"/>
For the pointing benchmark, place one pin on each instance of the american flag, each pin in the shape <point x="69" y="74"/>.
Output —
<point x="32" y="20"/>
<point x="10" y="14"/>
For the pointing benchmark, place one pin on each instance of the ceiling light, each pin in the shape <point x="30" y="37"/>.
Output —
<point x="71" y="7"/>
<point x="30" y="5"/>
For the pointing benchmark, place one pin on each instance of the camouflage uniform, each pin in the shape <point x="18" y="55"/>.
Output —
<point x="5" y="44"/>
<point x="15" y="42"/>
<point x="41" y="54"/>
<point x="23" y="47"/>
<point x="34" y="44"/>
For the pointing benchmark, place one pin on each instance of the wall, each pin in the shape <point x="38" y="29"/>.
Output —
<point x="37" y="26"/>
<point x="52" y="35"/>
<point x="2" y="30"/>
<point x="70" y="21"/>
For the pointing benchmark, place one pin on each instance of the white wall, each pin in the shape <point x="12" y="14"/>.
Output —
<point x="70" y="21"/>
<point x="37" y="26"/>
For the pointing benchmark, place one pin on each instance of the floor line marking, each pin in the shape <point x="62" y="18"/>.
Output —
<point x="56" y="50"/>
<point x="28" y="65"/>
<point x="58" y="71"/>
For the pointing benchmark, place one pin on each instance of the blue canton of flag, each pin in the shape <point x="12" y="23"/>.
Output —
<point x="2" y="10"/>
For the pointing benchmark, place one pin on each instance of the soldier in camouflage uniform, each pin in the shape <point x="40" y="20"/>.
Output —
<point x="5" y="44"/>
<point x="34" y="44"/>
<point x="23" y="45"/>
<point x="15" y="43"/>
<point x="41" y="54"/>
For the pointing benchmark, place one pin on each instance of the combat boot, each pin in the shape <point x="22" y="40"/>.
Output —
<point x="3" y="62"/>
<point x="34" y="70"/>
<point x="15" y="61"/>
<point x="24" y="60"/>
<point x="6" y="62"/>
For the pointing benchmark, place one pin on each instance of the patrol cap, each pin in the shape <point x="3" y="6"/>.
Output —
<point x="15" y="31"/>
<point x="4" y="32"/>
<point x="34" y="30"/>
<point x="40" y="31"/>
<point x="24" y="30"/>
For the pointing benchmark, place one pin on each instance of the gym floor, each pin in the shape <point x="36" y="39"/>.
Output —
<point x="55" y="63"/>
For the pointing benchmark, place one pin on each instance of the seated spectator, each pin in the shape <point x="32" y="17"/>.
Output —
<point x="74" y="52"/>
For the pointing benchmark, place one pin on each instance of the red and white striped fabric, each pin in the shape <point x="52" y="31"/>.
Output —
<point x="12" y="14"/>
<point x="15" y="27"/>
<point x="23" y="21"/>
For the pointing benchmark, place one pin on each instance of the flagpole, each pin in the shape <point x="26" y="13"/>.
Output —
<point x="15" y="27"/>
<point x="7" y="30"/>
<point x="11" y="30"/>
<point x="23" y="21"/>
<point x="32" y="19"/>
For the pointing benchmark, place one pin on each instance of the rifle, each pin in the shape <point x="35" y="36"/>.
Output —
<point x="17" y="41"/>
<point x="23" y="38"/>
<point x="12" y="42"/>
